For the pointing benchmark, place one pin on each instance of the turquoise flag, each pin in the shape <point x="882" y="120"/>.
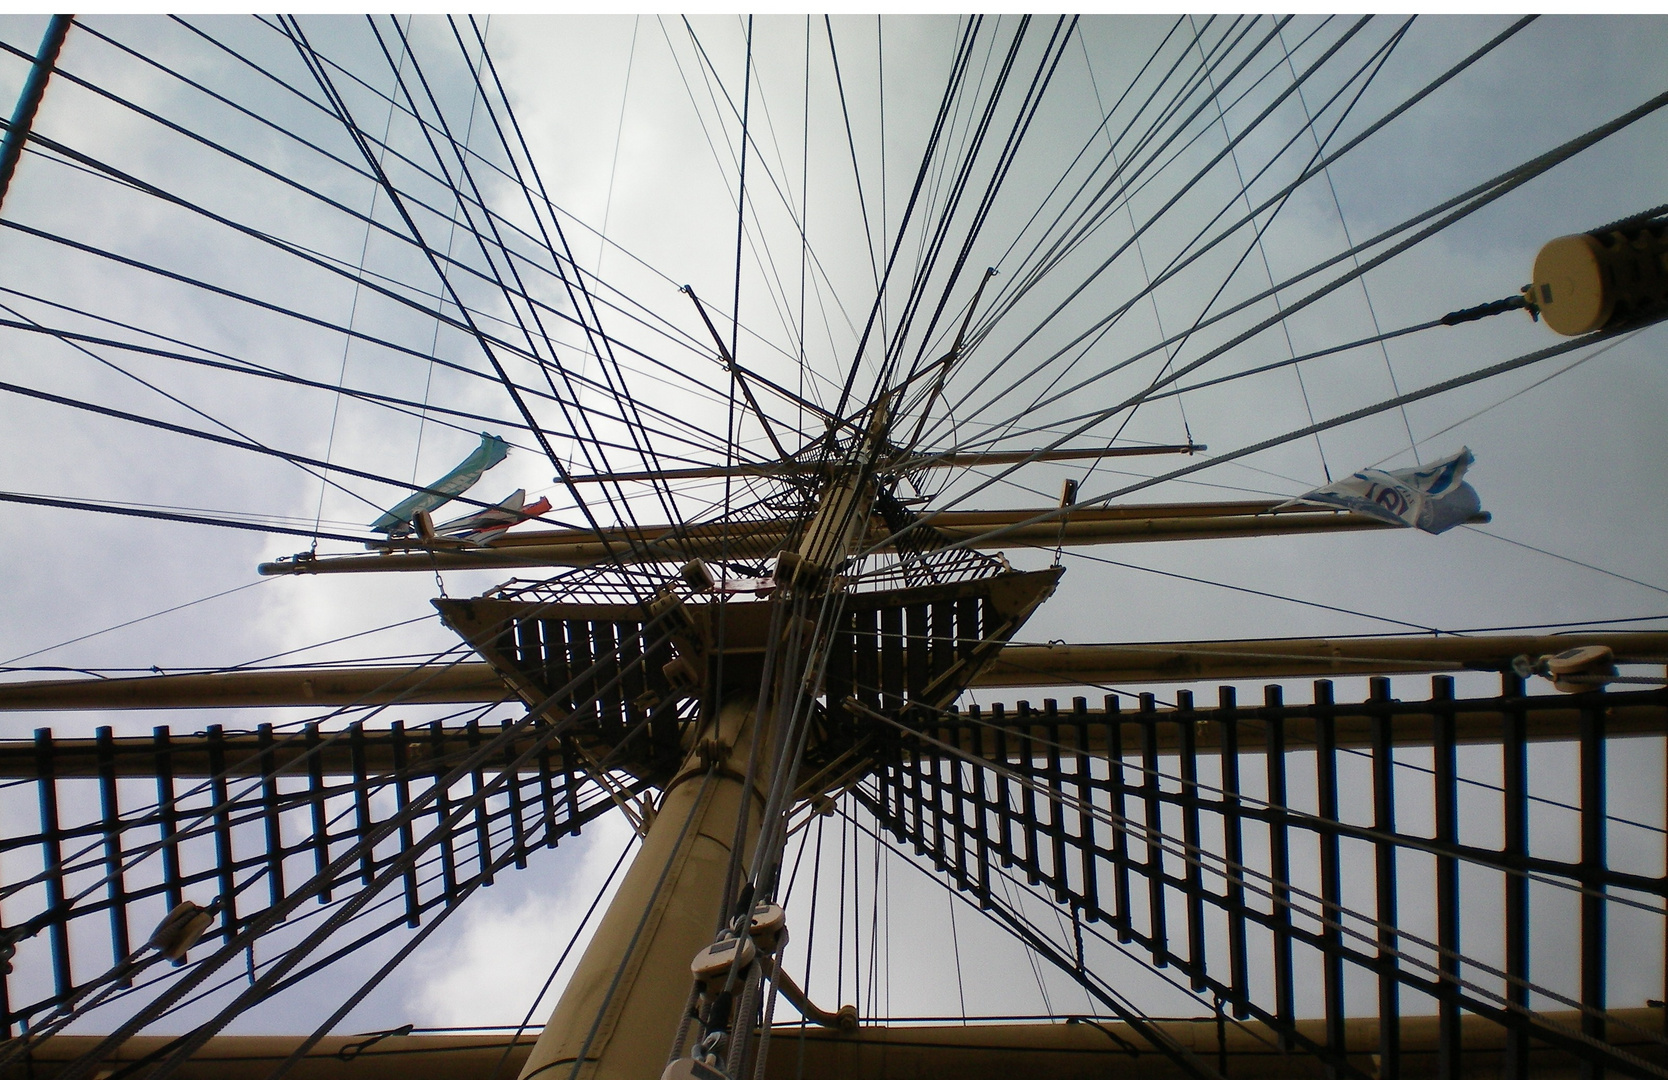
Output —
<point x="491" y="451"/>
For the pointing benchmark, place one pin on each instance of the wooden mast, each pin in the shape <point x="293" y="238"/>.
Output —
<point x="618" y="1015"/>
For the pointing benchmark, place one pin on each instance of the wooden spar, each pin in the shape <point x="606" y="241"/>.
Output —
<point x="1041" y="666"/>
<point x="277" y="687"/>
<point x="241" y="754"/>
<point x="631" y="1000"/>
<point x="918" y="461"/>
<point x="983" y="529"/>
<point x="621" y="1007"/>
<point x="949" y="1050"/>
<point x="1039" y="457"/>
<point x="1284" y="658"/>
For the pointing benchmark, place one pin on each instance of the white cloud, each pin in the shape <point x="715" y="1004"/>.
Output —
<point x="489" y="971"/>
<point x="668" y="201"/>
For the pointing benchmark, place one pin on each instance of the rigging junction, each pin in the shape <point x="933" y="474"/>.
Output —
<point x="736" y="718"/>
<point x="723" y="683"/>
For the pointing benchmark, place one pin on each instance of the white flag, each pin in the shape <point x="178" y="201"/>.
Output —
<point x="485" y="525"/>
<point x="1434" y="498"/>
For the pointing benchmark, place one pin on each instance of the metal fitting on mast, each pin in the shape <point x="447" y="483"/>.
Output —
<point x="685" y="672"/>
<point x="842" y="514"/>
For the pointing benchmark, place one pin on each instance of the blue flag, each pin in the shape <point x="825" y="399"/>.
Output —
<point x="398" y="520"/>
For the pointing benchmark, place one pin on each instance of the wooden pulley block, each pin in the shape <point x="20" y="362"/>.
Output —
<point x="180" y="929"/>
<point x="767" y="924"/>
<point x="1577" y="670"/>
<point x="716" y="960"/>
<point x="690" y="1069"/>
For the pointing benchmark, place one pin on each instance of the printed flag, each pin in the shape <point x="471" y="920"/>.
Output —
<point x="1434" y="498"/>
<point x="481" y="527"/>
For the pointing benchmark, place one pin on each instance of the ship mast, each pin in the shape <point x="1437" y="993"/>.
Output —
<point x="677" y="969"/>
<point x="742" y="707"/>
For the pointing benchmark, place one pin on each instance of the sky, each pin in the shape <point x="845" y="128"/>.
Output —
<point x="633" y="126"/>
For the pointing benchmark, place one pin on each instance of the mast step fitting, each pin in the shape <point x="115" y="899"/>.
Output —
<point x="682" y="675"/>
<point x="712" y="752"/>
<point x="1587" y="667"/>
<point x="668" y="607"/>
<point x="793" y="572"/>
<point x="697" y="576"/>
<point x="1606" y="278"/>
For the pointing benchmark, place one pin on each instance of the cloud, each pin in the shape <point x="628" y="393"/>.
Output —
<point x="511" y="935"/>
<point x="659" y="163"/>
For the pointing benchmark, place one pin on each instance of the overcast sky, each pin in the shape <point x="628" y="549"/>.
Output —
<point x="632" y="125"/>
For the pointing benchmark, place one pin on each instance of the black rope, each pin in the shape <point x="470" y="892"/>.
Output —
<point x="310" y="58"/>
<point x="851" y="147"/>
<point x="303" y="252"/>
<point x="496" y="242"/>
<point x="1483" y="311"/>
<point x="601" y="344"/>
<point x="1112" y="193"/>
<point x="1279" y="197"/>
<point x="1467" y="203"/>
<point x="953" y="83"/>
<point x="161" y="515"/>
<point x="223" y="440"/>
<point x="1053" y="52"/>
<point x="1196" y="178"/>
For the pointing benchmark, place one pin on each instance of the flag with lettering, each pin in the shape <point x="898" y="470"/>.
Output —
<point x="1434" y="497"/>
